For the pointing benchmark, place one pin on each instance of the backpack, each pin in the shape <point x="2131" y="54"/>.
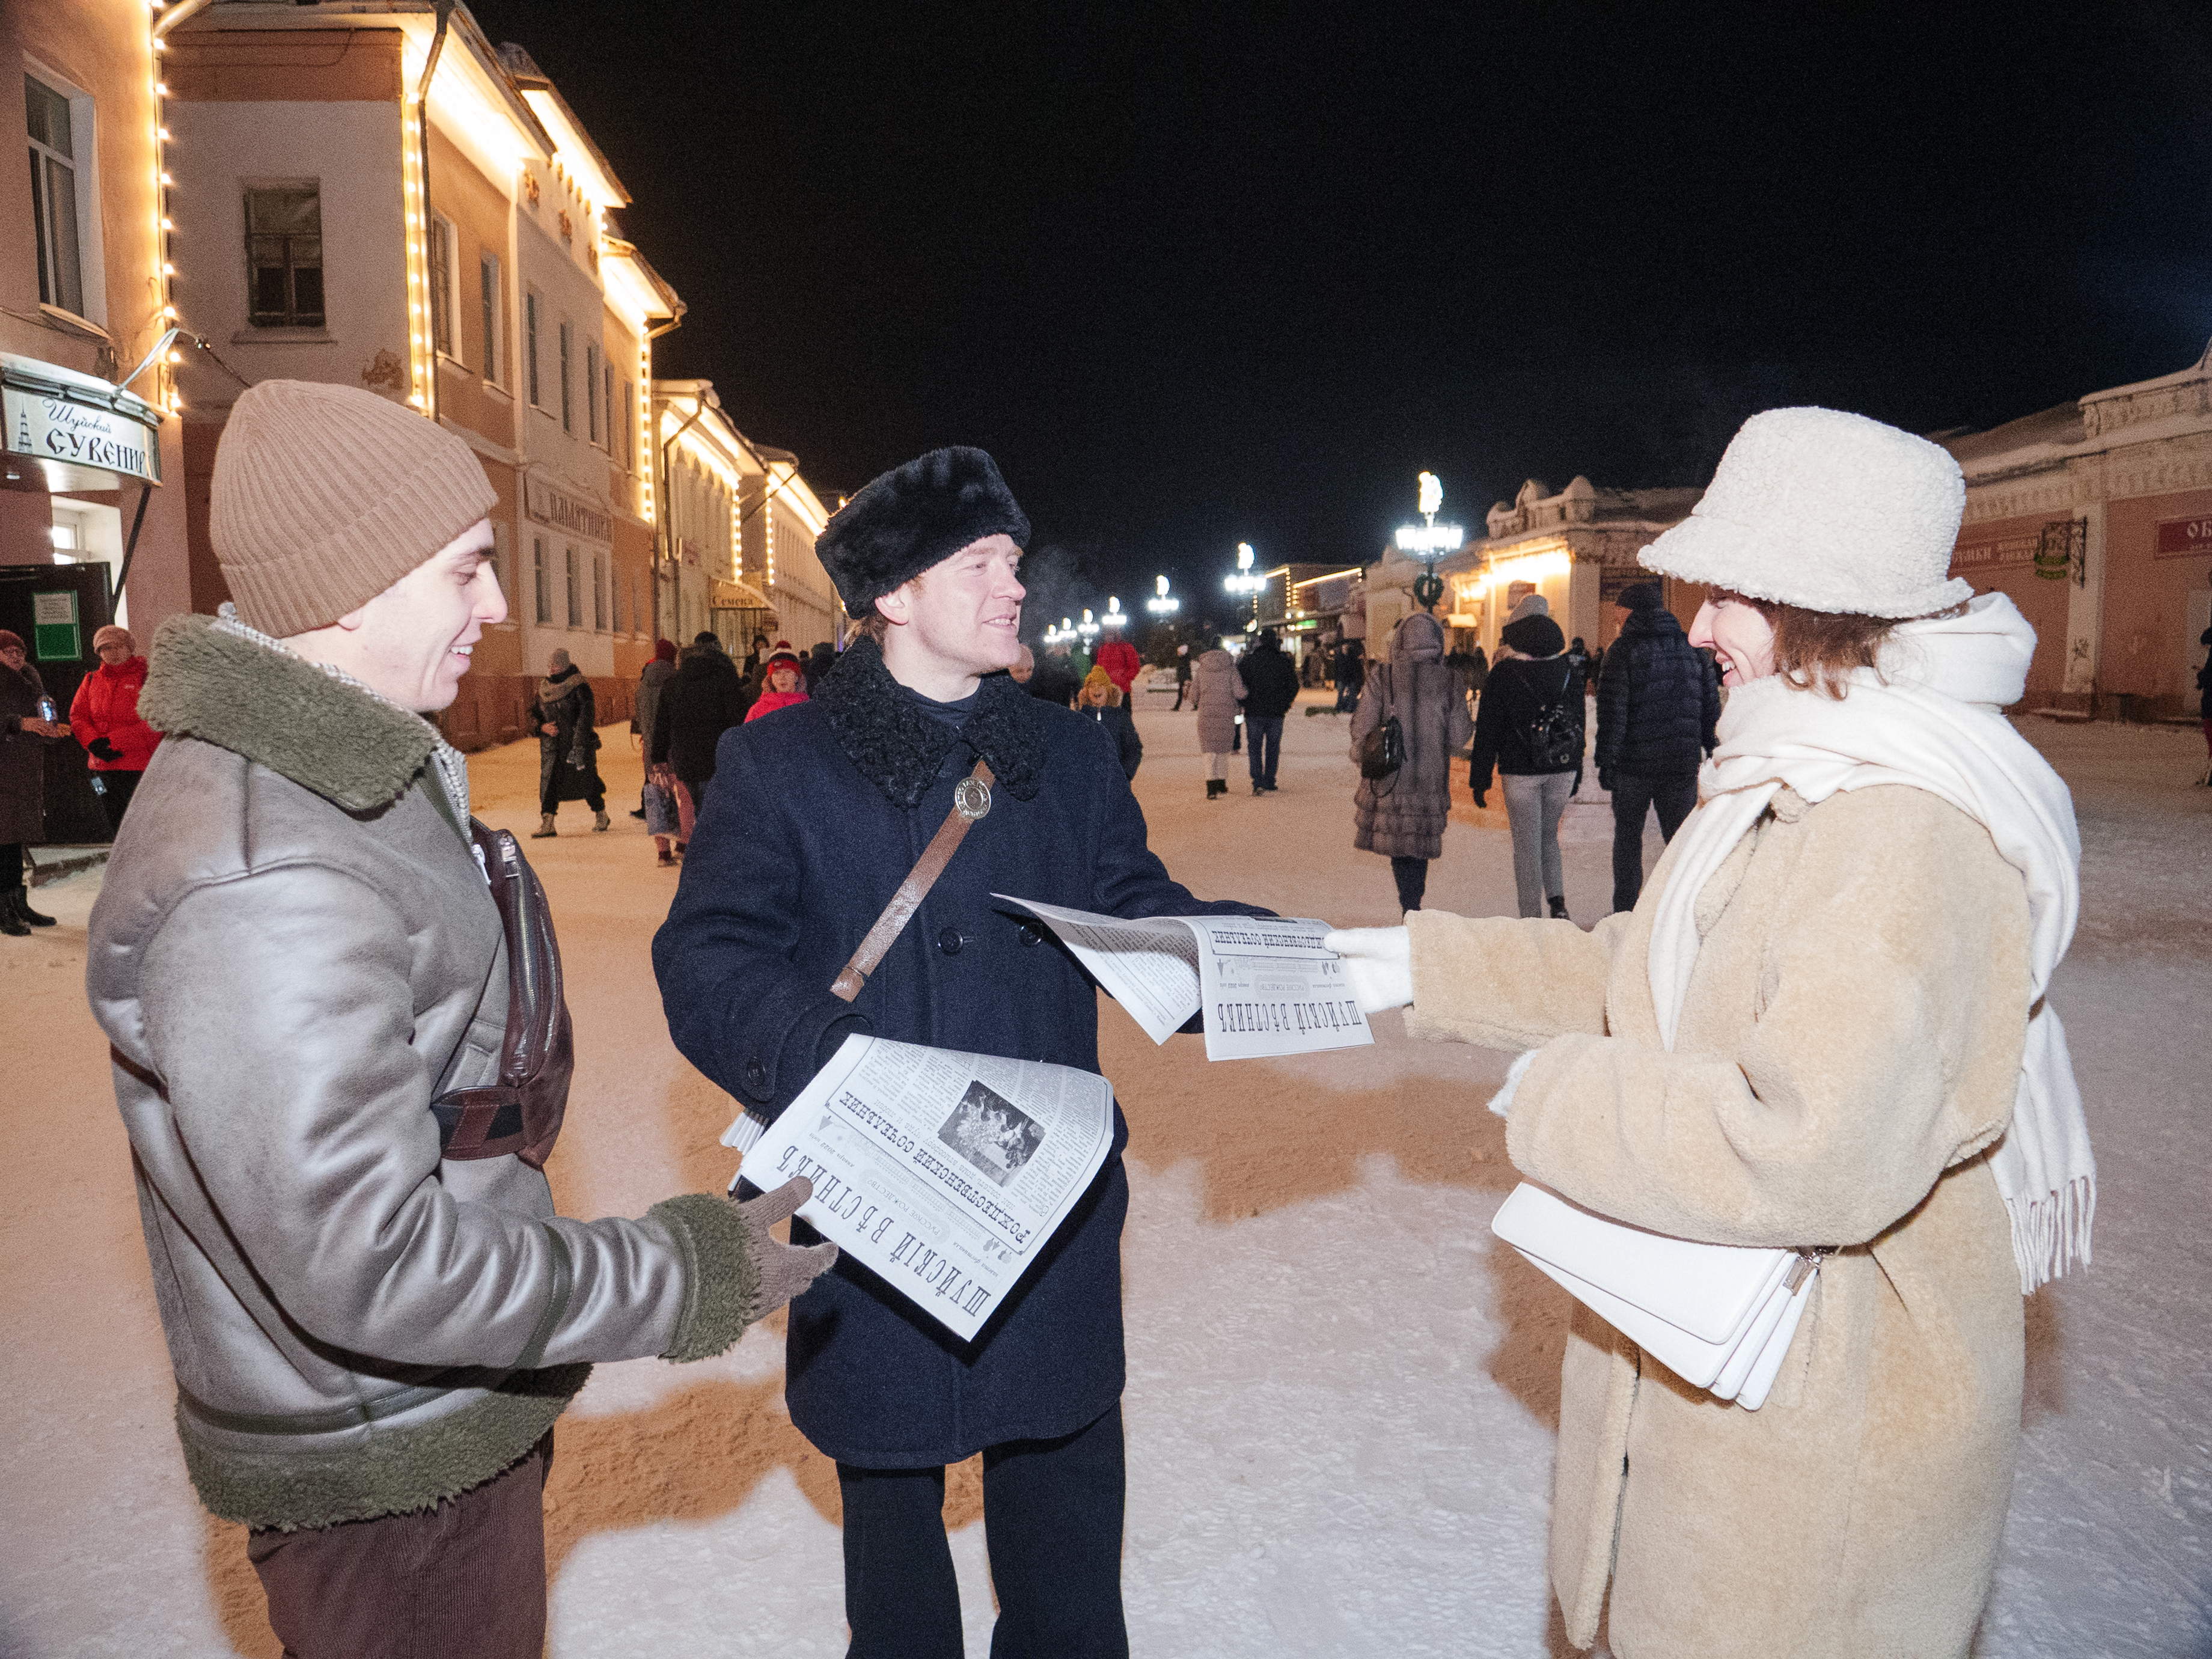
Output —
<point x="1554" y="734"/>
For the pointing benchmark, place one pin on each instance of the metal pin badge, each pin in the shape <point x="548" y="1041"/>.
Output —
<point x="971" y="799"/>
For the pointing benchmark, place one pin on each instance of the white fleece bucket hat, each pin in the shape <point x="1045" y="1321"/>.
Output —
<point x="1829" y="511"/>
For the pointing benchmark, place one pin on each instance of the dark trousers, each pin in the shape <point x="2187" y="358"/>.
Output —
<point x="1267" y="746"/>
<point x="548" y="800"/>
<point x="11" y="866"/>
<point x="116" y="789"/>
<point x="465" y="1577"/>
<point x="1052" y="1521"/>
<point x="1412" y="876"/>
<point x="1675" y="793"/>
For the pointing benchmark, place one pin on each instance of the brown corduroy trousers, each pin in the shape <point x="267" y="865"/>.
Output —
<point x="464" y="1576"/>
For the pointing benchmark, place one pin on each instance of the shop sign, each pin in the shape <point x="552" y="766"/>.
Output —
<point x="2183" y="538"/>
<point x="85" y="433"/>
<point x="1615" y="579"/>
<point x="564" y="512"/>
<point x="1995" y="553"/>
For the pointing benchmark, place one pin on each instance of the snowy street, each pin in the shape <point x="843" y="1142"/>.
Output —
<point x="1341" y="1392"/>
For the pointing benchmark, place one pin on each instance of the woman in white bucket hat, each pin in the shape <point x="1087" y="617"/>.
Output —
<point x="1823" y="1024"/>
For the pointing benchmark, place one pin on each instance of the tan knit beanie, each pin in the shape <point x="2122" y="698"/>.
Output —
<point x="325" y="495"/>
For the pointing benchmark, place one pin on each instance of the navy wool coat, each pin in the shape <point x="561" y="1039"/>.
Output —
<point x="816" y="814"/>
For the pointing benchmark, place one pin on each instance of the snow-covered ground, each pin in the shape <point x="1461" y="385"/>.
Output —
<point x="1341" y="1396"/>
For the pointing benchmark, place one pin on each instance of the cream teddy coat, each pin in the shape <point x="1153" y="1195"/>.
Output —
<point x="1850" y="1043"/>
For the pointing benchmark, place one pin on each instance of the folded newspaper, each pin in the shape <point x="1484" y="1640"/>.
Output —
<point x="943" y="1173"/>
<point x="1268" y="984"/>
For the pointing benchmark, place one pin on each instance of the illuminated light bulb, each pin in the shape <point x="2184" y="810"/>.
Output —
<point x="169" y="313"/>
<point x="162" y="133"/>
<point x="168" y="224"/>
<point x="176" y="357"/>
<point x="168" y="269"/>
<point x="160" y="89"/>
<point x="161" y="45"/>
<point x="168" y="181"/>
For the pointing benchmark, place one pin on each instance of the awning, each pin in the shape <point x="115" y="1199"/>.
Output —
<point x="737" y="596"/>
<point x="67" y="432"/>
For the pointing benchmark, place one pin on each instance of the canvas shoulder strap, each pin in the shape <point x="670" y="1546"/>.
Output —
<point x="972" y="800"/>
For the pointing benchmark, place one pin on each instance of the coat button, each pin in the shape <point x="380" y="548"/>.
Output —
<point x="1027" y="933"/>
<point x="949" y="941"/>
<point x="757" y="1075"/>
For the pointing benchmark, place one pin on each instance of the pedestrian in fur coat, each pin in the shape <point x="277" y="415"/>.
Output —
<point x="1823" y="1024"/>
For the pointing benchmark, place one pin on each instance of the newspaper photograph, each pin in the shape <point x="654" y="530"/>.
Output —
<point x="1267" y="985"/>
<point x="943" y="1173"/>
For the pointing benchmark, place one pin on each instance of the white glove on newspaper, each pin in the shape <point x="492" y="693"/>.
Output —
<point x="1378" y="965"/>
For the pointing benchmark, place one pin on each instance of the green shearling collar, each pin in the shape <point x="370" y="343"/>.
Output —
<point x="284" y="712"/>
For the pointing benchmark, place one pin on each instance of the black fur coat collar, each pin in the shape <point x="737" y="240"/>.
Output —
<point x="901" y="749"/>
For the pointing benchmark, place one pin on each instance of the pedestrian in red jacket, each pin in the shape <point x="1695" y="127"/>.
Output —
<point x="104" y="718"/>
<point x="784" y="686"/>
<point x="1121" y="663"/>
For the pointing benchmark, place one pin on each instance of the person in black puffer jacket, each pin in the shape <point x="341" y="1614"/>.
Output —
<point x="1529" y="728"/>
<point x="1657" y="701"/>
<point x="1271" y="686"/>
<point x="704" y="700"/>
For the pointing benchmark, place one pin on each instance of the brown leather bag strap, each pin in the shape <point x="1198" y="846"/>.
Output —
<point x="972" y="800"/>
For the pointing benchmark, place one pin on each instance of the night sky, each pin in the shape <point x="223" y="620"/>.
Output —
<point x="1202" y="274"/>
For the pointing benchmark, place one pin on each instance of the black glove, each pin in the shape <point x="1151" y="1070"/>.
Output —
<point x="100" y="749"/>
<point x="1478" y="799"/>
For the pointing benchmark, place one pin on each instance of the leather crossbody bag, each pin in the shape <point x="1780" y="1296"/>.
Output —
<point x="971" y="800"/>
<point x="1720" y="1316"/>
<point x="520" y="1115"/>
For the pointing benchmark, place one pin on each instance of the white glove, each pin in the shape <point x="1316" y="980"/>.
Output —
<point x="1378" y="965"/>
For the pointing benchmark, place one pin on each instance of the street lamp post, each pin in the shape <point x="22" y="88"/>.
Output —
<point x="1160" y="604"/>
<point x="1430" y="541"/>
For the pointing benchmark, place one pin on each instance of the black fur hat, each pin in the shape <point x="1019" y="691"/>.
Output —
<point x="913" y="517"/>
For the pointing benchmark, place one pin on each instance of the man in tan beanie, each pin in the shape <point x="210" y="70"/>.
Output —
<point x="373" y="1313"/>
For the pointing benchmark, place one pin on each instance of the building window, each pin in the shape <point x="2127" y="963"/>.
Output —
<point x="567" y="401"/>
<point x="575" y="592"/>
<point x="444" y="262"/>
<point x="285" y="256"/>
<point x="530" y="345"/>
<point x="600" y="593"/>
<point x="488" y="281"/>
<point x="592" y="391"/>
<point x="614" y="411"/>
<point x="541" y="582"/>
<point x="53" y="197"/>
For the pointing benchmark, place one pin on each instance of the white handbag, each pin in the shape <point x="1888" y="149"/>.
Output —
<point x="1720" y="1316"/>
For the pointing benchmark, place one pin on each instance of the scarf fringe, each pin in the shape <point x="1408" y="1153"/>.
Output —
<point x="2051" y="1234"/>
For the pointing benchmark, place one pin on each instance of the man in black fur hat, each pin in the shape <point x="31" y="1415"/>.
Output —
<point x="812" y="821"/>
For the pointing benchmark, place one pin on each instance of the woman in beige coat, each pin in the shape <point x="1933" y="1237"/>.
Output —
<point x="1814" y="1029"/>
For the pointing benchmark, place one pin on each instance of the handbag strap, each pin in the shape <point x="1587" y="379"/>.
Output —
<point x="968" y="805"/>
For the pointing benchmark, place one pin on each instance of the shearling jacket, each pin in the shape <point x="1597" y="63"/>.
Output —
<point x="1850" y="1043"/>
<point x="294" y="946"/>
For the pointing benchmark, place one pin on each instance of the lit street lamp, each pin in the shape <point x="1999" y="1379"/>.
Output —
<point x="1160" y="604"/>
<point x="1246" y="580"/>
<point x="1430" y="541"/>
<point x="1088" y="629"/>
<point x="1114" y="615"/>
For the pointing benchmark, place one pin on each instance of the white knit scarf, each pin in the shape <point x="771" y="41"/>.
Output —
<point x="1929" y="718"/>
